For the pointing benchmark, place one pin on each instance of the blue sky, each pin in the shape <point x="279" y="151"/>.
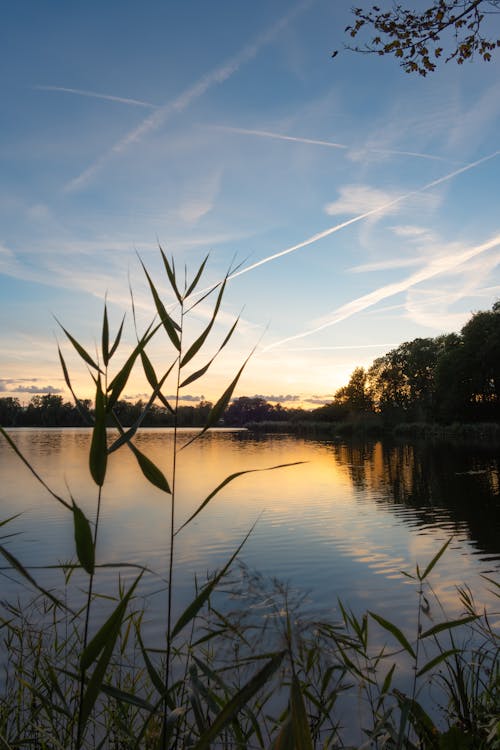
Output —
<point x="363" y="203"/>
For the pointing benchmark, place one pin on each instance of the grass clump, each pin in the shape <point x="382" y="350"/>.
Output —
<point x="79" y="672"/>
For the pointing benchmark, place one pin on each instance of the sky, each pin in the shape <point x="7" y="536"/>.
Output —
<point x="358" y="204"/>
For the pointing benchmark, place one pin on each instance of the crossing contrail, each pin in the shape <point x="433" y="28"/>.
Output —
<point x="331" y="230"/>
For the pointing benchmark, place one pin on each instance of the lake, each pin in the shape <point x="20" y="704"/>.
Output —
<point x="343" y="524"/>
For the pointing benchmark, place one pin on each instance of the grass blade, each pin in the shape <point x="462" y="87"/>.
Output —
<point x="239" y="701"/>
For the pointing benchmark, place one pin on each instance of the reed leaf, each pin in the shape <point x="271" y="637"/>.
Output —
<point x="17" y="565"/>
<point x="153" y="380"/>
<point x="125" y="697"/>
<point x="199" y="373"/>
<point x="396" y="632"/>
<point x="448" y="625"/>
<point x="119" y="382"/>
<point x="81" y="351"/>
<point x="192" y="609"/>
<point x="300" y="724"/>
<point x="219" y="408"/>
<point x="117" y="339"/>
<point x="83" y="412"/>
<point x="153" y="673"/>
<point x="197" y="277"/>
<point x="229" y="479"/>
<point x="170" y="269"/>
<point x="85" y="549"/>
<point x="105" y="337"/>
<point x="434" y="560"/>
<point x="239" y="701"/>
<point x="196" y="345"/>
<point x="32" y="470"/>
<point x="152" y="473"/>
<point x="171" y="327"/>
<point x="437" y="660"/>
<point x="109" y="631"/>
<point x="98" y="456"/>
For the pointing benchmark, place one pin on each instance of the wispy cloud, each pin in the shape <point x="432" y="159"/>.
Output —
<point x="96" y="95"/>
<point x="362" y="198"/>
<point x="384" y="207"/>
<point x="355" y="154"/>
<point x="217" y="76"/>
<point x="434" y="268"/>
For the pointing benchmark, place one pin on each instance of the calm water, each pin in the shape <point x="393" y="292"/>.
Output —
<point x="343" y="524"/>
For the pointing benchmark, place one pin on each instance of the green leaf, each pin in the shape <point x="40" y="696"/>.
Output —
<point x="85" y="549"/>
<point x="396" y="632"/>
<point x="81" y="351"/>
<point x="150" y="470"/>
<point x="448" y="625"/>
<point x="196" y="346"/>
<point x="98" y="456"/>
<point x="108" y="632"/>
<point x="437" y="660"/>
<point x="170" y="269"/>
<point x="197" y="277"/>
<point x="434" y="560"/>
<point x="152" y="671"/>
<point x="129" y="698"/>
<point x="169" y="325"/>
<point x="219" y="408"/>
<point x="105" y="337"/>
<point x="239" y="701"/>
<point x="117" y="339"/>
<point x="119" y="382"/>
<point x="17" y="565"/>
<point x="83" y="412"/>
<point x="229" y="479"/>
<point x="153" y="380"/>
<point x="192" y="609"/>
<point x="35" y="474"/>
<point x="199" y="373"/>
<point x="300" y="724"/>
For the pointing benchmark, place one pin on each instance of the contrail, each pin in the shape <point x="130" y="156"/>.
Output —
<point x="360" y="217"/>
<point x="328" y="144"/>
<point x="96" y="95"/>
<point x="440" y="265"/>
<point x="180" y="103"/>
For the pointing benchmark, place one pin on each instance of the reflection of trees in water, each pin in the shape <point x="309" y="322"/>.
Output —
<point x="443" y="484"/>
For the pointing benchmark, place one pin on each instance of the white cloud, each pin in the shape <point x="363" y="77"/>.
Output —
<point x="361" y="198"/>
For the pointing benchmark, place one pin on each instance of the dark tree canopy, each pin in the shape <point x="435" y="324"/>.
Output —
<point x="448" y="29"/>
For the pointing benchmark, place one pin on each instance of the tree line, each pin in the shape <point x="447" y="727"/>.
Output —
<point x="450" y="378"/>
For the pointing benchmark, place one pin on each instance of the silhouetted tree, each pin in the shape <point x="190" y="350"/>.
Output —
<point x="448" y="29"/>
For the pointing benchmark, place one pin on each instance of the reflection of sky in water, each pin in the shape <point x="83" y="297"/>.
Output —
<point x="344" y="524"/>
